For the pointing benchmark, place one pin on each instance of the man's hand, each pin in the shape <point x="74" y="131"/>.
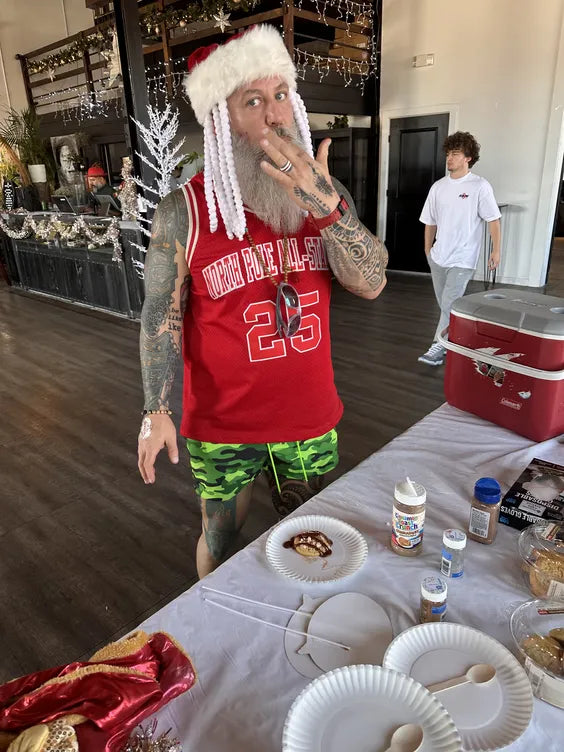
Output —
<point x="157" y="431"/>
<point x="308" y="182"/>
<point x="493" y="261"/>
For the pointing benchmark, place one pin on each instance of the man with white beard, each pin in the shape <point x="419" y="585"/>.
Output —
<point x="238" y="279"/>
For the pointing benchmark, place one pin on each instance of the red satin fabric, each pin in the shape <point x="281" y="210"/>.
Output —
<point x="114" y="703"/>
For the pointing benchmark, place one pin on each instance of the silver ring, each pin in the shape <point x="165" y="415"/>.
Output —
<point x="287" y="167"/>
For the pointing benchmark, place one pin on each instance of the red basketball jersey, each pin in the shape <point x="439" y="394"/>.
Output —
<point x="243" y="383"/>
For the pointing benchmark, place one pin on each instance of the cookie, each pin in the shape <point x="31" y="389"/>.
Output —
<point x="557" y="634"/>
<point x="546" y="652"/>
<point x="310" y="543"/>
<point x="548" y="566"/>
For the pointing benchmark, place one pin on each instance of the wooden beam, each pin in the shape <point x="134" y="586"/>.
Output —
<point x="166" y="53"/>
<point x="87" y="71"/>
<point x="214" y="31"/>
<point x="67" y="74"/>
<point x="288" y="26"/>
<point x="150" y="48"/>
<point x="334" y="22"/>
<point x="27" y="85"/>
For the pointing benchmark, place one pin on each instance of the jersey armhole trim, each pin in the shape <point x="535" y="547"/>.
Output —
<point x="193" y="223"/>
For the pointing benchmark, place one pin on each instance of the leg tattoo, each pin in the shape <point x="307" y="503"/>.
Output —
<point x="293" y="492"/>
<point x="220" y="527"/>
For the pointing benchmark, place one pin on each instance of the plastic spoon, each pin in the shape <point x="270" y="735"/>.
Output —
<point x="406" y="738"/>
<point x="481" y="673"/>
<point x="411" y="484"/>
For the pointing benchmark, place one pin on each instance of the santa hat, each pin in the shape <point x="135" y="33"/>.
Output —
<point x="216" y="71"/>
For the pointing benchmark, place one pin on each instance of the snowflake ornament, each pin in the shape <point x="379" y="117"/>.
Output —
<point x="222" y="20"/>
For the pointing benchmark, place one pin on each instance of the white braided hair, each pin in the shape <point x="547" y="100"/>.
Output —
<point x="220" y="178"/>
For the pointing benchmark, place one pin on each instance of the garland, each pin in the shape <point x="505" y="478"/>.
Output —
<point x="205" y="11"/>
<point x="48" y="229"/>
<point x="101" y="41"/>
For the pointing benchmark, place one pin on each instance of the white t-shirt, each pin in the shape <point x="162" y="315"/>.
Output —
<point x="457" y="208"/>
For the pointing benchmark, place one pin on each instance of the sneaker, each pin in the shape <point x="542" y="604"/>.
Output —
<point x="434" y="356"/>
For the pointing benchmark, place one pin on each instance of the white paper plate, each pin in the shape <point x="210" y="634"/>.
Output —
<point x="293" y="642"/>
<point x="358" y="708"/>
<point x="348" y="554"/>
<point x="355" y="620"/>
<point x="488" y="716"/>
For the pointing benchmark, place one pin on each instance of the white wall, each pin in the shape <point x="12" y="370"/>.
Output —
<point x="26" y="25"/>
<point x="499" y="71"/>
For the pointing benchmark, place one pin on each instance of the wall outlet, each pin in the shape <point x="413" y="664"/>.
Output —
<point x="423" y="61"/>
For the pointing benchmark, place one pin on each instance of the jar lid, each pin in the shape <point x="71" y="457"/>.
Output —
<point x="434" y="589"/>
<point x="542" y="536"/>
<point x="487" y="490"/>
<point x="454" y="538"/>
<point x="410" y="493"/>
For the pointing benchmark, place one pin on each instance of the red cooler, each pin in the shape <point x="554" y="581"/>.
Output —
<point x="505" y="360"/>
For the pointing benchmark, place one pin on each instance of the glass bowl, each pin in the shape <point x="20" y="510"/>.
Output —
<point x="543" y="655"/>
<point x="541" y="547"/>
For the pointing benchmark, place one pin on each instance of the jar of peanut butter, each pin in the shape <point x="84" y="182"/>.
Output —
<point x="408" y="518"/>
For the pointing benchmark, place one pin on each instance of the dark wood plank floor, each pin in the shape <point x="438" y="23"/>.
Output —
<point x="88" y="550"/>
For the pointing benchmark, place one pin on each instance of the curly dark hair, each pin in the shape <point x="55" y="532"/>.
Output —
<point x="464" y="142"/>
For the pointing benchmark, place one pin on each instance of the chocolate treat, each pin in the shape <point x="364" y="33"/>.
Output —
<point x="310" y="543"/>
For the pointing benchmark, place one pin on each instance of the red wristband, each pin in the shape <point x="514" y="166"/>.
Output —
<point x="322" y="222"/>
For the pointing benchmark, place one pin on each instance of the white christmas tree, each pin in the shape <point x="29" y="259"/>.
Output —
<point x="158" y="138"/>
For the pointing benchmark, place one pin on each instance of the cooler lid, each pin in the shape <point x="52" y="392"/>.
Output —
<point x="517" y="309"/>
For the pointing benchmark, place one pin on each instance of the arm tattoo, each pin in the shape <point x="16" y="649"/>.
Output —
<point x="166" y="294"/>
<point x="358" y="259"/>
<point x="312" y="202"/>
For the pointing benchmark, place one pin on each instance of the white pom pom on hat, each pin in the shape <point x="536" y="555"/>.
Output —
<point x="216" y="71"/>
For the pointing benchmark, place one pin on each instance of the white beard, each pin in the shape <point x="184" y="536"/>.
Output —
<point x="261" y="193"/>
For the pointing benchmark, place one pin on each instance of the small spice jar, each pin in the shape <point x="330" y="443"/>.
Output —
<point x="452" y="557"/>
<point x="408" y="518"/>
<point x="484" y="514"/>
<point x="433" y="600"/>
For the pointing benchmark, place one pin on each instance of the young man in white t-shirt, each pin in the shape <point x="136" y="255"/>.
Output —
<point x="453" y="214"/>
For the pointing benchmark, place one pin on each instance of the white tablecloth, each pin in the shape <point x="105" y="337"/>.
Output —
<point x="246" y="684"/>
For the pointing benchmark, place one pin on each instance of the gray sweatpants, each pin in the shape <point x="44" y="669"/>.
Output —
<point x="449" y="284"/>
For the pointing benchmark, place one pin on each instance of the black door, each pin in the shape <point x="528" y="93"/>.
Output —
<point x="416" y="161"/>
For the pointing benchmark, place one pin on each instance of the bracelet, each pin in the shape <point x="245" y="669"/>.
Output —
<point x="322" y="222"/>
<point x="156" y="412"/>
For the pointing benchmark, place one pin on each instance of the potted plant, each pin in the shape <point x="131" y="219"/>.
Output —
<point x="20" y="130"/>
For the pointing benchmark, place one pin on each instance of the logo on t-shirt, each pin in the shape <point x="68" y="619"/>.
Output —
<point x="462" y="195"/>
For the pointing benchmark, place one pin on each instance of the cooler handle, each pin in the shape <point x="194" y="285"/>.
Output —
<point x="493" y="360"/>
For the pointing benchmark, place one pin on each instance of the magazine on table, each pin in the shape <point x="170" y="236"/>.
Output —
<point x="537" y="494"/>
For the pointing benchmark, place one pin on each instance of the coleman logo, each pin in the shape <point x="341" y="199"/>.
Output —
<point x="462" y="195"/>
<point x="510" y="403"/>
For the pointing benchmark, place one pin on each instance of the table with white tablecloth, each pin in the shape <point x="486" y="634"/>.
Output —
<point x="245" y="683"/>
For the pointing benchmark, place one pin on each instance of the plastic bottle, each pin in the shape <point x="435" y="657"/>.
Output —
<point x="484" y="513"/>
<point x="408" y="518"/>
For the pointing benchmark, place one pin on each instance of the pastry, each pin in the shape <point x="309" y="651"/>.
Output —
<point x="310" y="543"/>
<point x="544" y="651"/>
<point x="548" y="566"/>
<point x="557" y="634"/>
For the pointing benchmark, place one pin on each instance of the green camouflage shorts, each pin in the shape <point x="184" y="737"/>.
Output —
<point x="221" y="471"/>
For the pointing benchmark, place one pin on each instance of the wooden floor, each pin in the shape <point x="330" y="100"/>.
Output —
<point x="88" y="550"/>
